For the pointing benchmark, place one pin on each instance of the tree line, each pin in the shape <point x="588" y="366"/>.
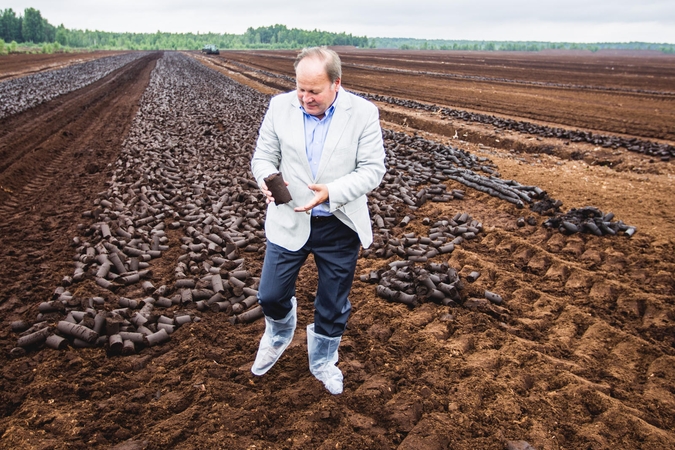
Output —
<point x="274" y="37"/>
<point x="280" y="35"/>
<point x="527" y="46"/>
<point x="33" y="28"/>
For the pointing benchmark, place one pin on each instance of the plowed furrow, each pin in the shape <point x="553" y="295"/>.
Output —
<point x="59" y="162"/>
<point x="42" y="144"/>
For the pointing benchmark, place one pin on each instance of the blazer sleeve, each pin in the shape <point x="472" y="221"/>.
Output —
<point x="369" y="169"/>
<point x="267" y="155"/>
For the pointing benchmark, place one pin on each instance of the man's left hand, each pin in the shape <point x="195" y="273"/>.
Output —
<point x="320" y="196"/>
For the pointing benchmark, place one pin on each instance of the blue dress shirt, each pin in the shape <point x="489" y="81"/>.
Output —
<point x="316" y="131"/>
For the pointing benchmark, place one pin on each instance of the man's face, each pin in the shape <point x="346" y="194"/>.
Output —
<point x="315" y="91"/>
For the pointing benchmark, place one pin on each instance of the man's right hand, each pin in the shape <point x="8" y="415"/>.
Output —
<point x="268" y="194"/>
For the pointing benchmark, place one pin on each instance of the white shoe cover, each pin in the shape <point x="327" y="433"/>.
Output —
<point x="323" y="355"/>
<point x="278" y="334"/>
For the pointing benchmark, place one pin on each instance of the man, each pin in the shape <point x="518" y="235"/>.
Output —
<point x="327" y="144"/>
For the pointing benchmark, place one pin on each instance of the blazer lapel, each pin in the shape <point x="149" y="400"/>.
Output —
<point x="337" y="127"/>
<point x="297" y="132"/>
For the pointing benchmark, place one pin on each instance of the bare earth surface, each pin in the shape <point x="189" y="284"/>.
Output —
<point x="583" y="356"/>
<point x="19" y="64"/>
<point x="609" y="92"/>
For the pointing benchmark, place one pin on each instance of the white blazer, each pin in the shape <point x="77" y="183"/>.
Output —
<point x="352" y="164"/>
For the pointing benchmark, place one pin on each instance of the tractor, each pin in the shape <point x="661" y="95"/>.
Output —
<point x="210" y="49"/>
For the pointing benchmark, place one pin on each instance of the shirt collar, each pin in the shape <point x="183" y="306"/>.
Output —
<point x="329" y="112"/>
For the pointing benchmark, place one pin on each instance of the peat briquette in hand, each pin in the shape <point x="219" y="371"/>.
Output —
<point x="275" y="183"/>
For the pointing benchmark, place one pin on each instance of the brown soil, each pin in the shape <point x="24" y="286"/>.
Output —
<point x="21" y="64"/>
<point x="585" y="357"/>
<point x="620" y="94"/>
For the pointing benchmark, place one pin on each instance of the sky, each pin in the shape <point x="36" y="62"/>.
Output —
<point x="584" y="21"/>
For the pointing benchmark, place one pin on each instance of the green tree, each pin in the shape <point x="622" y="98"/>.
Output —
<point x="10" y="26"/>
<point x="49" y="31"/>
<point x="32" y="27"/>
<point x="61" y="35"/>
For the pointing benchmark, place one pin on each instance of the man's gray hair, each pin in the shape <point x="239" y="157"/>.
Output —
<point x="330" y="59"/>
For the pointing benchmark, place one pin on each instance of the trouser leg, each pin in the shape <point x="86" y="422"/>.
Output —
<point x="276" y="294"/>
<point x="336" y="249"/>
<point x="277" y="280"/>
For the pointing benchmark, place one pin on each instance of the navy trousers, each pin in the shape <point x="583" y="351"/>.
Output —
<point x="335" y="247"/>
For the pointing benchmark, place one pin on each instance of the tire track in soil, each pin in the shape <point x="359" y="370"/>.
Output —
<point x="53" y="161"/>
<point x="640" y="115"/>
<point x="22" y="64"/>
<point x="587" y="341"/>
<point x="576" y="303"/>
<point x="30" y="139"/>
